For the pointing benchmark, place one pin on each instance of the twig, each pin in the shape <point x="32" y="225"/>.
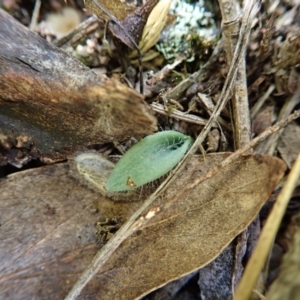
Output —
<point x="154" y="78"/>
<point x="260" y="102"/>
<point x="250" y="10"/>
<point x="177" y="114"/>
<point x="240" y="113"/>
<point x="35" y="15"/>
<point x="239" y="103"/>
<point x="180" y="88"/>
<point x="73" y="37"/>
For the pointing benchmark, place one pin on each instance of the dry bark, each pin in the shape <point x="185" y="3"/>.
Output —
<point x="51" y="104"/>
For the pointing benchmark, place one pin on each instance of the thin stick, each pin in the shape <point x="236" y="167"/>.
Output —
<point x="239" y="104"/>
<point x="35" y="15"/>
<point x="198" y="76"/>
<point x="240" y="113"/>
<point x="72" y="38"/>
<point x="179" y="115"/>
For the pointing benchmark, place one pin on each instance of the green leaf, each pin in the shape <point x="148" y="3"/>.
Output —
<point x="147" y="160"/>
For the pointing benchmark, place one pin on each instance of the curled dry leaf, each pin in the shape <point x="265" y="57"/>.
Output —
<point x="263" y="120"/>
<point x="134" y="24"/>
<point x="47" y="232"/>
<point x="51" y="104"/>
<point x="289" y="143"/>
<point x="131" y="24"/>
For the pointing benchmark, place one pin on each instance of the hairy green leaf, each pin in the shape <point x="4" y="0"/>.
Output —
<point x="147" y="160"/>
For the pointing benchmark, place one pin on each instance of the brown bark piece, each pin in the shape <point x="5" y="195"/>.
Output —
<point x="51" y="104"/>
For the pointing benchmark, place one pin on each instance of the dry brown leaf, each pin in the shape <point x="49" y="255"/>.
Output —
<point x="192" y="231"/>
<point x="47" y="236"/>
<point x="289" y="143"/>
<point x="263" y="120"/>
<point x="44" y="253"/>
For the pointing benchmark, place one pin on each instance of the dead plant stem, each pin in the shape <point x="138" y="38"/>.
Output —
<point x="239" y="103"/>
<point x="240" y="113"/>
<point x="35" y="15"/>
